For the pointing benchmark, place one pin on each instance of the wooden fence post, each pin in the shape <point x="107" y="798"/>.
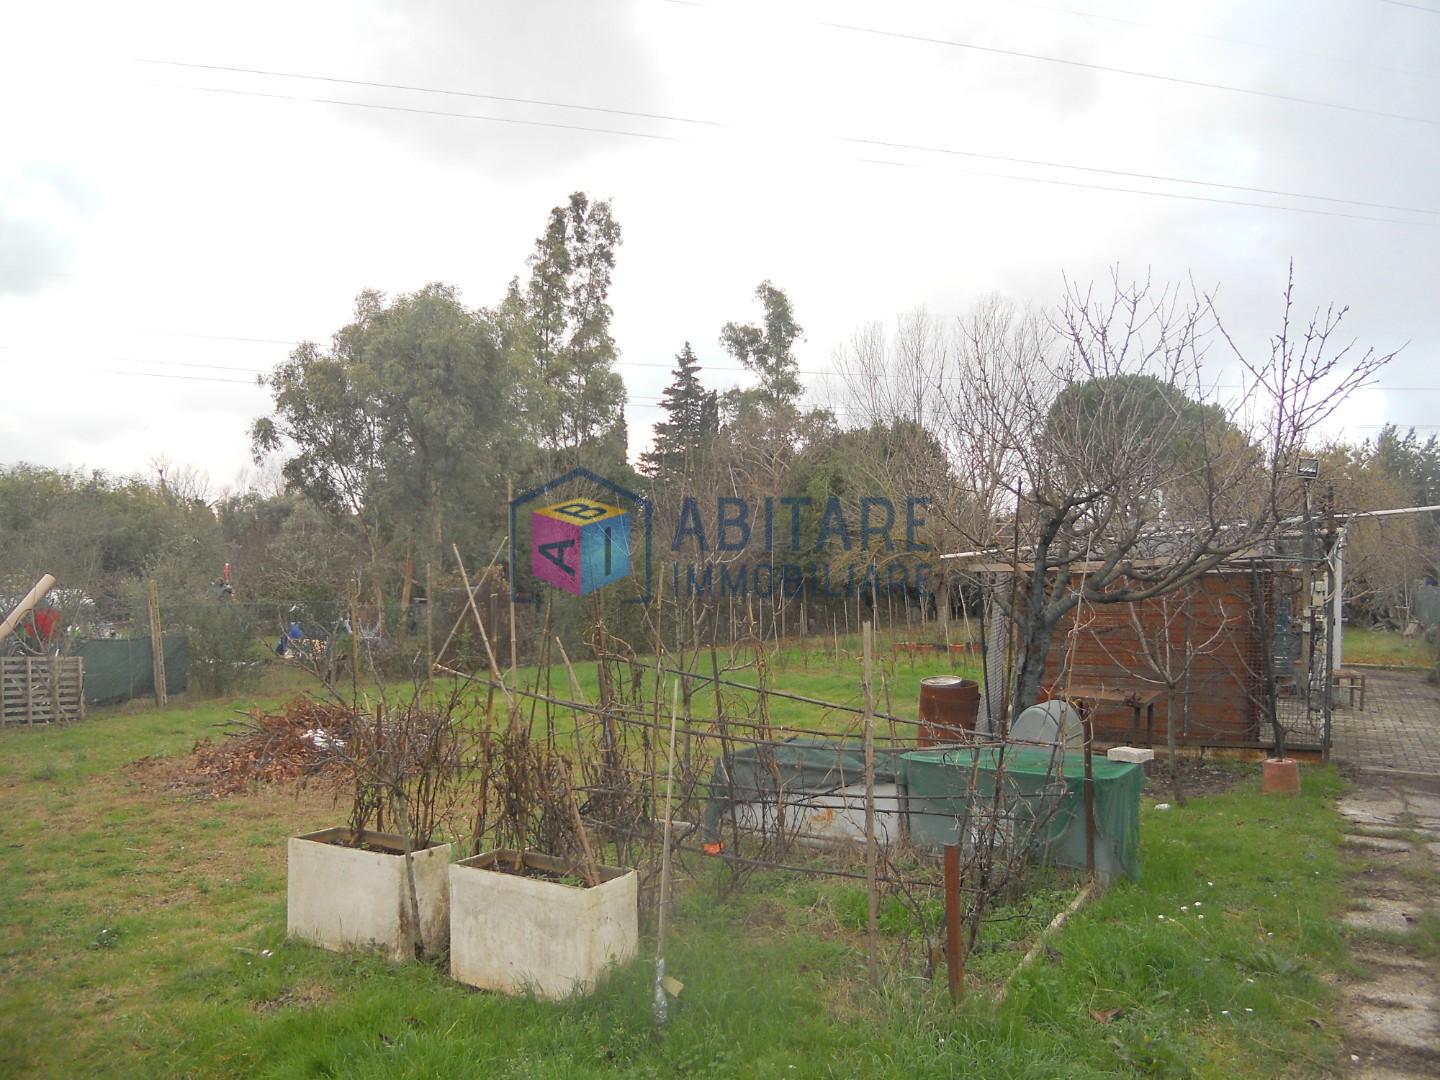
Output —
<point x="157" y="647"/>
<point x="871" y="845"/>
<point x="954" y="930"/>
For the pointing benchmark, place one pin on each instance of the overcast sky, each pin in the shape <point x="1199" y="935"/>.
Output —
<point x="147" y="223"/>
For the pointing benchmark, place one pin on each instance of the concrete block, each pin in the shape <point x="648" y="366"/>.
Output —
<point x="353" y="898"/>
<point x="1137" y="755"/>
<point x="522" y="935"/>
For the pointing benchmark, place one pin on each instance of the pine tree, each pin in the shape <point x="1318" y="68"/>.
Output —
<point x="692" y="417"/>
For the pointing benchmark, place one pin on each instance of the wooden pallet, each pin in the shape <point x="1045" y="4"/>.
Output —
<point x="41" y="689"/>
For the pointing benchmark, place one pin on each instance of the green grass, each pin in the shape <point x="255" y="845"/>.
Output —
<point x="144" y="935"/>
<point x="1387" y="647"/>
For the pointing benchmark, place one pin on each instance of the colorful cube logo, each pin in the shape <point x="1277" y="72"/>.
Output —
<point x="580" y="545"/>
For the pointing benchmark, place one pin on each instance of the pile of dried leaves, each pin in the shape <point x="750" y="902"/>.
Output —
<point x="303" y="738"/>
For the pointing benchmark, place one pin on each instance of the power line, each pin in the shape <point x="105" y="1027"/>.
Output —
<point x="1159" y="27"/>
<point x="1417" y="7"/>
<point x="439" y="112"/>
<point x="1131" y="72"/>
<point x="212" y="367"/>
<point x="919" y="147"/>
<point x="704" y="368"/>
<point x="187" y="378"/>
<point x="941" y="150"/>
<point x="1155" y="176"/>
<point x="221" y="337"/>
<point x="436" y="90"/>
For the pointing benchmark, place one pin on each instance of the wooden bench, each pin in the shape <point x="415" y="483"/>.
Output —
<point x="1351" y="680"/>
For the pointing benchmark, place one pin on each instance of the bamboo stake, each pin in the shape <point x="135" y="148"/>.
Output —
<point x="1081" y="898"/>
<point x="871" y="847"/>
<point x="479" y="622"/>
<point x="662" y="1006"/>
<point x="461" y="617"/>
<point x="590" y="867"/>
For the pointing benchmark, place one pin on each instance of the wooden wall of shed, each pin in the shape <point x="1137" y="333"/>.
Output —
<point x="1106" y="651"/>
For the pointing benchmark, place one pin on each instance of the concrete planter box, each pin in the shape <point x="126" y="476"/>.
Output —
<point x="352" y="898"/>
<point x="523" y="935"/>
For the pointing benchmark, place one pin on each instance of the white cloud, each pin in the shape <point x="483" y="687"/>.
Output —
<point x="135" y="208"/>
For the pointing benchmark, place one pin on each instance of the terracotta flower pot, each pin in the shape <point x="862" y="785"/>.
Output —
<point x="1280" y="776"/>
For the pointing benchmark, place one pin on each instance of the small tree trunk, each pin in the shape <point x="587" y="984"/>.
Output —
<point x="1172" y="747"/>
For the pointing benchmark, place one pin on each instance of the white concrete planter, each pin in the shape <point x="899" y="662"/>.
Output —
<point x="351" y="898"/>
<point x="523" y="935"/>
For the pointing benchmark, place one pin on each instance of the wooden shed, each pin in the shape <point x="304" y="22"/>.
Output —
<point x="1134" y="649"/>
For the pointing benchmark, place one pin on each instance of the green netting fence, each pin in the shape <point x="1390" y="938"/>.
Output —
<point x="118" y="669"/>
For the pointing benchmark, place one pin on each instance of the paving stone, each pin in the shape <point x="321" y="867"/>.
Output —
<point x="1422" y="804"/>
<point x="1381" y="913"/>
<point x="1378" y="957"/>
<point x="1399" y="729"/>
<point x="1403" y="1026"/>
<point x="1376" y="843"/>
<point x="1383" y="1072"/>
<point x="1398" y="990"/>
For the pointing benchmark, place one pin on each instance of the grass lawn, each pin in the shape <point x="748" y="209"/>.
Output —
<point x="143" y="934"/>
<point x="1386" y="647"/>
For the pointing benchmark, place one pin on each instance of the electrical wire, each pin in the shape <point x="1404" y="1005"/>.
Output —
<point x="1131" y="72"/>
<point x="886" y="144"/>
<point x="438" y="112"/>
<point x="436" y="90"/>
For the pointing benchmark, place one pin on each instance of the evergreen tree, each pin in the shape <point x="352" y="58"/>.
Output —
<point x="577" y="405"/>
<point x="769" y="349"/>
<point x="692" y="417"/>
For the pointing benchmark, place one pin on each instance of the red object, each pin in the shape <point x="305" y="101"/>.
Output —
<point x="225" y="574"/>
<point x="712" y="849"/>
<point x="46" y="621"/>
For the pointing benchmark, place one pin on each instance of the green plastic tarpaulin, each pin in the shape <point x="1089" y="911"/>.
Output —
<point x="1042" y="795"/>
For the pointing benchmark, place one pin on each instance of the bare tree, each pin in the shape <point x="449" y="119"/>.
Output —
<point x="1108" y="462"/>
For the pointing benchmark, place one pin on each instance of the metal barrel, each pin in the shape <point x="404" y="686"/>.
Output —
<point x="948" y="709"/>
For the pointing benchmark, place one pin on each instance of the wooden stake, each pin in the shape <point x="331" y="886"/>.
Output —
<point x="871" y="845"/>
<point x="429" y="630"/>
<point x="1089" y="731"/>
<point x="354" y="644"/>
<point x="157" y="647"/>
<point x="954" y="931"/>
<point x="509" y="496"/>
<point x="662" y="1007"/>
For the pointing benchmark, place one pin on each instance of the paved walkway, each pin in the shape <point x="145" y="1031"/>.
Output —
<point x="1391" y="1016"/>
<point x="1399" y="728"/>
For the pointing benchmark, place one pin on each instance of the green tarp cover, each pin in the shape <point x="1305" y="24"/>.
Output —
<point x="117" y="669"/>
<point x="810" y="766"/>
<point x="938" y="785"/>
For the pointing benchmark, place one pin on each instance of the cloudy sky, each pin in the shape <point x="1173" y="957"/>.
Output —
<point x="167" y="230"/>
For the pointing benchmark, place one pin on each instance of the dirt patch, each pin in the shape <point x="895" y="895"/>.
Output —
<point x="303" y="996"/>
<point x="1197" y="777"/>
